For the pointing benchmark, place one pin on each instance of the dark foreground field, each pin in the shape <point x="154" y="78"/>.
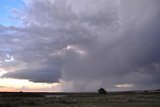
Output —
<point x="112" y="99"/>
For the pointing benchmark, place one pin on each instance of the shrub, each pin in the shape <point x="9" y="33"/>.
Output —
<point x="102" y="91"/>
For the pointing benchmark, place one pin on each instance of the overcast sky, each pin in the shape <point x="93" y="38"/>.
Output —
<point x="80" y="45"/>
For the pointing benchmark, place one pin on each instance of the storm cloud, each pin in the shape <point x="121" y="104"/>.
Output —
<point x="85" y="44"/>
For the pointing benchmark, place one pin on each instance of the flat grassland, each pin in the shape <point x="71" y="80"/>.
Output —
<point x="14" y="99"/>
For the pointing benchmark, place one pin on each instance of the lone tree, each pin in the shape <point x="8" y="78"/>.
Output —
<point x="102" y="91"/>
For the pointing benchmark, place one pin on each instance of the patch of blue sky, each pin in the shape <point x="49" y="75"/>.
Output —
<point x="5" y="12"/>
<point x="6" y="49"/>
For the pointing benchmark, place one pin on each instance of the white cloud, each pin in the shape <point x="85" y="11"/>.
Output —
<point x="9" y="58"/>
<point x="124" y="85"/>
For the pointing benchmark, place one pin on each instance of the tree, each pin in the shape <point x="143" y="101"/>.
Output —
<point x="102" y="91"/>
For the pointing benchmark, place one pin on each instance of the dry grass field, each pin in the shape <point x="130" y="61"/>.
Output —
<point x="111" y="99"/>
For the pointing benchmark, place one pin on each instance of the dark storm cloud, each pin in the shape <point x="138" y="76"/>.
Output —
<point x="104" y="43"/>
<point x="47" y="75"/>
<point x="46" y="71"/>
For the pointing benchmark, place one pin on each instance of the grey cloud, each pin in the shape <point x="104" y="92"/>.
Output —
<point x="121" y="39"/>
<point x="47" y="75"/>
<point x="44" y="71"/>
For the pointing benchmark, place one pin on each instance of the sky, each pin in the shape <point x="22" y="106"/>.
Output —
<point x="7" y="7"/>
<point x="79" y="46"/>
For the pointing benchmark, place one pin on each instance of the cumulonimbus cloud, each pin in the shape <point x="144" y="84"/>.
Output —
<point x="113" y="42"/>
